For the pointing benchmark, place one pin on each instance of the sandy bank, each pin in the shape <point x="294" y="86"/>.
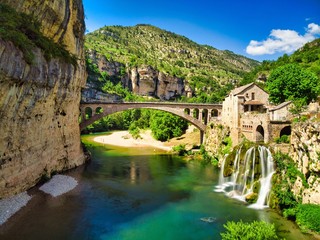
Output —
<point x="124" y="139"/>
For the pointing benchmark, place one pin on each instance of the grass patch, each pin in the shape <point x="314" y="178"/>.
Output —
<point x="308" y="217"/>
<point x="256" y="230"/>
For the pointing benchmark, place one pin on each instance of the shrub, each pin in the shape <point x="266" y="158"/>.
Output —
<point x="256" y="230"/>
<point x="290" y="213"/>
<point x="134" y="131"/>
<point x="285" y="176"/>
<point x="180" y="149"/>
<point x="308" y="217"/>
<point x="227" y="142"/>
<point x="283" y="139"/>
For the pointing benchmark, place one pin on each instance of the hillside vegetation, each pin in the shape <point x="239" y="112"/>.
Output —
<point x="307" y="57"/>
<point x="202" y="67"/>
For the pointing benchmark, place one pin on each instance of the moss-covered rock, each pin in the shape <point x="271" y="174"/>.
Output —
<point x="252" y="197"/>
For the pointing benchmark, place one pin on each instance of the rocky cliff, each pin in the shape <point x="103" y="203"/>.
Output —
<point x="217" y="141"/>
<point x="305" y="141"/>
<point x="39" y="102"/>
<point x="163" y="64"/>
<point x="143" y="80"/>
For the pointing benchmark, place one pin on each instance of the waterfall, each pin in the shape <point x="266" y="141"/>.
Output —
<point x="248" y="173"/>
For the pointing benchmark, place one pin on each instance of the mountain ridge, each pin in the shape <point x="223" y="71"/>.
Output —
<point x="202" y="68"/>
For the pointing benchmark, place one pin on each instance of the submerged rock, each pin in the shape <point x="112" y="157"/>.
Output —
<point x="11" y="205"/>
<point x="208" y="219"/>
<point x="58" y="185"/>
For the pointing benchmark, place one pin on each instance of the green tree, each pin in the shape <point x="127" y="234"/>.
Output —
<point x="292" y="82"/>
<point x="165" y="125"/>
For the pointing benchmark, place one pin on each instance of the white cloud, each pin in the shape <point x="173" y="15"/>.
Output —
<point x="313" y="29"/>
<point x="283" y="41"/>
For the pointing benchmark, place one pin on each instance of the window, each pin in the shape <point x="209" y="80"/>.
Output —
<point x="252" y="96"/>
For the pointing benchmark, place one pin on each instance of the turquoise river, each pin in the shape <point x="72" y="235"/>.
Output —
<point x="136" y="194"/>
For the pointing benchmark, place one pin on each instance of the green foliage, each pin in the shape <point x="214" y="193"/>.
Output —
<point x="227" y="142"/>
<point x="290" y="213"/>
<point x="165" y="125"/>
<point x="308" y="217"/>
<point x="292" y="82"/>
<point x="256" y="230"/>
<point x="307" y="57"/>
<point x="300" y="119"/>
<point x="134" y="130"/>
<point x="23" y="31"/>
<point x="207" y="158"/>
<point x="282" y="139"/>
<point x="286" y="175"/>
<point x="180" y="150"/>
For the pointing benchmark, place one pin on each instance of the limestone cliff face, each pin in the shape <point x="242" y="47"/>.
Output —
<point x="142" y="80"/>
<point x="305" y="141"/>
<point x="39" y="103"/>
<point x="215" y="140"/>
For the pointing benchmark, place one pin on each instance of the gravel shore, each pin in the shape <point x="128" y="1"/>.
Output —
<point x="59" y="184"/>
<point x="11" y="205"/>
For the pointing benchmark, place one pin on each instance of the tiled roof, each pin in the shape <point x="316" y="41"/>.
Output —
<point x="280" y="106"/>
<point x="238" y="90"/>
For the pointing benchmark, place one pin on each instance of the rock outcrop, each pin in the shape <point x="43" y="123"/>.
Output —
<point x="143" y="80"/>
<point x="39" y="103"/>
<point x="216" y="141"/>
<point x="305" y="141"/>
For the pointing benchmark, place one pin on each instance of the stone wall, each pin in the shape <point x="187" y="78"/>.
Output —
<point x="39" y="103"/>
<point x="305" y="151"/>
<point x="249" y="123"/>
<point x="276" y="128"/>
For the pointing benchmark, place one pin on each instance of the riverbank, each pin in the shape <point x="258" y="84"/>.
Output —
<point x="125" y="139"/>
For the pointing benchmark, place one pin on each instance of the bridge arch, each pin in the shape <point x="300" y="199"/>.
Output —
<point x="102" y="109"/>
<point x="98" y="116"/>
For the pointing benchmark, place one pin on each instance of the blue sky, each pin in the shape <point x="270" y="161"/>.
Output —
<point x="260" y="30"/>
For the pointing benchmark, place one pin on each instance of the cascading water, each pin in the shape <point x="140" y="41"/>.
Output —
<point x="249" y="172"/>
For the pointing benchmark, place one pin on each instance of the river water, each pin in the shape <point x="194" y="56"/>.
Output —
<point x="136" y="193"/>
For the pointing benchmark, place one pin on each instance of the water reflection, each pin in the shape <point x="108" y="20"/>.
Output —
<point x="127" y="194"/>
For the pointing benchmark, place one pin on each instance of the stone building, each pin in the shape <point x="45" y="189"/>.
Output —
<point x="247" y="112"/>
<point x="280" y="112"/>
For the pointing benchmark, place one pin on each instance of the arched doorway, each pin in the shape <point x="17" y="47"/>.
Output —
<point x="285" y="131"/>
<point x="259" y="134"/>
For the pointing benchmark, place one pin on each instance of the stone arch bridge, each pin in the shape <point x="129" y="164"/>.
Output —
<point x="198" y="114"/>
